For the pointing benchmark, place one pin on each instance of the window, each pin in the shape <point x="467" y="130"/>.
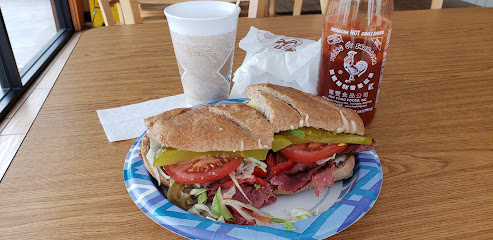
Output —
<point x="31" y="32"/>
<point x="4" y="85"/>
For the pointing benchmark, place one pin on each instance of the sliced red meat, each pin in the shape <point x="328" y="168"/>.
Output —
<point x="280" y="159"/>
<point x="214" y="185"/>
<point x="293" y="183"/>
<point x="212" y="193"/>
<point x="323" y="179"/>
<point x="259" y="197"/>
<point x="300" y="167"/>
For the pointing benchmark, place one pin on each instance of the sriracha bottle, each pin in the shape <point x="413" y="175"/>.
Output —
<point x="355" y="39"/>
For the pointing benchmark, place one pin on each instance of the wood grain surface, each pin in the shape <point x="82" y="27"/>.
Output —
<point x="433" y="126"/>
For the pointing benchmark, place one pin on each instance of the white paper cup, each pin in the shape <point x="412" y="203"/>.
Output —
<point x="203" y="35"/>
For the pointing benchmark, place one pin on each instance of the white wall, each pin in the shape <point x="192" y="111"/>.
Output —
<point x="481" y="3"/>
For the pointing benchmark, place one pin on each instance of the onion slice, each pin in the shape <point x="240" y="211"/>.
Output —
<point x="261" y="218"/>
<point x="232" y="176"/>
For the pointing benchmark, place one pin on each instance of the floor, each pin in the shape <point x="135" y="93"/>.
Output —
<point x="15" y="126"/>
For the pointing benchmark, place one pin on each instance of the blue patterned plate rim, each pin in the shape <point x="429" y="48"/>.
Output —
<point x="356" y="199"/>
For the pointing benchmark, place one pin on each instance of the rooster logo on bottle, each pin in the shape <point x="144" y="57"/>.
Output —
<point x="354" y="69"/>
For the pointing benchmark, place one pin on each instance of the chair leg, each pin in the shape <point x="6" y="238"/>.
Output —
<point x="105" y="8"/>
<point x="131" y="12"/>
<point x="272" y="7"/>
<point x="323" y="6"/>
<point x="436" y="4"/>
<point x="297" y="7"/>
<point x="120" y="14"/>
<point x="256" y="8"/>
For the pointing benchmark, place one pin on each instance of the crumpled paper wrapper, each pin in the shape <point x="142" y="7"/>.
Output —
<point x="277" y="59"/>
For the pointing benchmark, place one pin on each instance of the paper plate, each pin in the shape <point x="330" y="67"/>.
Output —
<point x="340" y="205"/>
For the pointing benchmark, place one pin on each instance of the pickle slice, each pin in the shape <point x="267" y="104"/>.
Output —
<point x="177" y="196"/>
<point x="348" y="138"/>
<point x="172" y="155"/>
<point x="323" y="136"/>
<point x="259" y="154"/>
<point x="280" y="142"/>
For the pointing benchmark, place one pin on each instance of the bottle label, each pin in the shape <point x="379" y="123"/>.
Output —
<point x="353" y="62"/>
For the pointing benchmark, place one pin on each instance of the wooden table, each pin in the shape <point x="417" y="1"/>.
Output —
<point x="434" y="130"/>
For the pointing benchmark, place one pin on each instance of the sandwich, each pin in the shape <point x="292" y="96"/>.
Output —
<point x="315" y="140"/>
<point x="226" y="161"/>
<point x="199" y="152"/>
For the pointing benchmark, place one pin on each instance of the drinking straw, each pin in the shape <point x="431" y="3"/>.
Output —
<point x="236" y="6"/>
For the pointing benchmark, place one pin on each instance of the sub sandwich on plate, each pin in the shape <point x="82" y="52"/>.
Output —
<point x="226" y="161"/>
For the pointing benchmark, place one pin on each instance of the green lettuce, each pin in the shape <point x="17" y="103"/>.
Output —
<point x="219" y="209"/>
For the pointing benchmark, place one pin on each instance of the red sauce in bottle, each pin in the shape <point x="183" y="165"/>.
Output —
<point x="352" y="62"/>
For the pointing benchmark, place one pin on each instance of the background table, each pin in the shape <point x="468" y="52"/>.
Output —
<point x="433" y="127"/>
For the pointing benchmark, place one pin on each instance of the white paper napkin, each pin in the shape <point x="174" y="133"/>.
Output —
<point x="127" y="122"/>
<point x="277" y="59"/>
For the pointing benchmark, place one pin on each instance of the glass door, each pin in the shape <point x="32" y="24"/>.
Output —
<point x="31" y="32"/>
<point x="4" y="85"/>
<point x="30" y="26"/>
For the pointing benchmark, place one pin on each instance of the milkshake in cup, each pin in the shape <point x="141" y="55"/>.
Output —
<point x="204" y="35"/>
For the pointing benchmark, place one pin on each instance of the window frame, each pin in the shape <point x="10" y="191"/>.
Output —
<point x="9" y="71"/>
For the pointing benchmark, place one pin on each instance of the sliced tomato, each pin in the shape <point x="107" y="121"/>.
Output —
<point x="202" y="170"/>
<point x="259" y="172"/>
<point x="311" y="152"/>
<point x="271" y="162"/>
<point x="275" y="168"/>
<point x="261" y="182"/>
<point x="258" y="217"/>
<point x="229" y="183"/>
<point x="250" y="181"/>
<point x="282" y="167"/>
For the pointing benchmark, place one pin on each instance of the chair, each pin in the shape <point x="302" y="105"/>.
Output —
<point x="135" y="11"/>
<point x="105" y="7"/>
<point x="296" y="8"/>
<point x="436" y="4"/>
<point x="323" y="6"/>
